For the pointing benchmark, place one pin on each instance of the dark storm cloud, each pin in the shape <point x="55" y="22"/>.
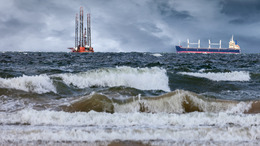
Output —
<point x="128" y="25"/>
<point x="241" y="11"/>
<point x="13" y="23"/>
<point x="169" y="12"/>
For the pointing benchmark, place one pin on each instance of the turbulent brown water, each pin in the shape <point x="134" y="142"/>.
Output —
<point x="129" y="99"/>
<point x="178" y="101"/>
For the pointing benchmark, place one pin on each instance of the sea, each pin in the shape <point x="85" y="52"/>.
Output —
<point x="132" y="98"/>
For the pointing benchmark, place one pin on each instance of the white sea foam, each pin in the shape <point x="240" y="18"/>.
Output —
<point x="38" y="83"/>
<point x="140" y="78"/>
<point x="157" y="55"/>
<point x="222" y="76"/>
<point x="10" y="104"/>
<point x="93" y="126"/>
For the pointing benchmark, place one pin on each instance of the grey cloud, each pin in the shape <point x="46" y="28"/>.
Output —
<point x="237" y="21"/>
<point x="11" y="27"/>
<point x="149" y="27"/>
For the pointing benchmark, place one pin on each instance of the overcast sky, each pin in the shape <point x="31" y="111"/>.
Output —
<point x="129" y="25"/>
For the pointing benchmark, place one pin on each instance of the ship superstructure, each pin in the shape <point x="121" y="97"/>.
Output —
<point x="82" y="35"/>
<point x="233" y="44"/>
<point x="233" y="48"/>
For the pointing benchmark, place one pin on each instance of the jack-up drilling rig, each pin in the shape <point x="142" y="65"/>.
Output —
<point x="82" y="39"/>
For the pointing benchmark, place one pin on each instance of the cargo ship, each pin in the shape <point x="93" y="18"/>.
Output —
<point x="82" y="39"/>
<point x="232" y="49"/>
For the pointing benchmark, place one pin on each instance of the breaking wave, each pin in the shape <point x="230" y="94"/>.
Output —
<point x="38" y="84"/>
<point x="223" y="76"/>
<point x="178" y="101"/>
<point x="140" y="78"/>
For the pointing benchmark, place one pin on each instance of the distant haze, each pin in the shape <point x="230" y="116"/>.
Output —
<point x="129" y="25"/>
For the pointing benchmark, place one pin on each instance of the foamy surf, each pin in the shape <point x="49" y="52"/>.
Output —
<point x="30" y="125"/>
<point x="140" y="78"/>
<point x="92" y="118"/>
<point x="222" y="76"/>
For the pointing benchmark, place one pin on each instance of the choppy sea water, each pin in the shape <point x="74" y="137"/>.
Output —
<point x="129" y="99"/>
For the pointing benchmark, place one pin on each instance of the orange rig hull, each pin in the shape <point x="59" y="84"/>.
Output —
<point x="82" y="50"/>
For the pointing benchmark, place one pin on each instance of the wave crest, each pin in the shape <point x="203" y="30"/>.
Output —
<point x="227" y="76"/>
<point x="38" y="84"/>
<point x="178" y="101"/>
<point x="139" y="78"/>
<point x="181" y="101"/>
